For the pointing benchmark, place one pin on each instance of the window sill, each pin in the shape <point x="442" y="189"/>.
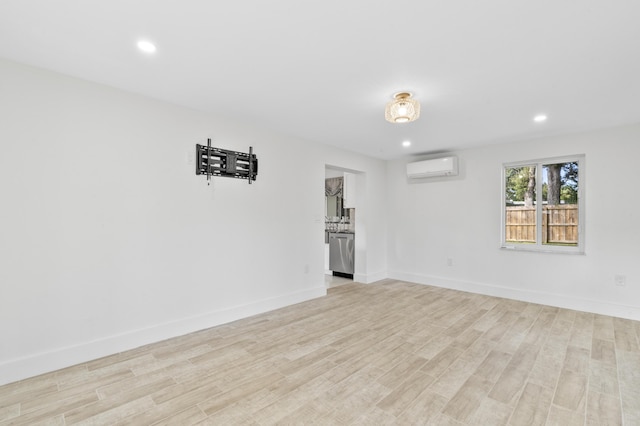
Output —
<point x="535" y="249"/>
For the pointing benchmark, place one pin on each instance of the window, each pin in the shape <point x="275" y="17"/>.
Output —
<point x="543" y="205"/>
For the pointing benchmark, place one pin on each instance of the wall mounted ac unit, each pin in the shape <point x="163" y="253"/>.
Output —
<point x="446" y="166"/>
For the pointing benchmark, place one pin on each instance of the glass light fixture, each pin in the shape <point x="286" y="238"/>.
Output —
<point x="402" y="109"/>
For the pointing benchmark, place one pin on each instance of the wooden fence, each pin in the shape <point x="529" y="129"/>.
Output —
<point x="559" y="224"/>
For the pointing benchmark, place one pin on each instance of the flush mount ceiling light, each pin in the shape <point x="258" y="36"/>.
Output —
<point x="540" y="118"/>
<point x="402" y="109"/>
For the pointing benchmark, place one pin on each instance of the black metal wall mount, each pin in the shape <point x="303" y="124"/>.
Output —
<point x="212" y="161"/>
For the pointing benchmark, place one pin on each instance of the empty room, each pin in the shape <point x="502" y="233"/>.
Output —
<point x="330" y="213"/>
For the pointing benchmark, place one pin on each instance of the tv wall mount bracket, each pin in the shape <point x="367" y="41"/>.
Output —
<point x="212" y="161"/>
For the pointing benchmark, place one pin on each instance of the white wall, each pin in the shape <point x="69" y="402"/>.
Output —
<point x="110" y="241"/>
<point x="459" y="218"/>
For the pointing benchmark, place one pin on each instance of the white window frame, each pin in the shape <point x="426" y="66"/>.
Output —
<point x="538" y="246"/>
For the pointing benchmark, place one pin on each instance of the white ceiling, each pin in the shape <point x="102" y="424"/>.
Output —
<point x="323" y="70"/>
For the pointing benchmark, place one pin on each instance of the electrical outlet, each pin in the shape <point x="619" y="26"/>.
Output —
<point x="306" y="269"/>
<point x="449" y="261"/>
<point x="620" y="280"/>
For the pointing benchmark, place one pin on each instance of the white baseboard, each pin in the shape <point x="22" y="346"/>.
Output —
<point x="33" y="365"/>
<point x="370" y="278"/>
<point x="550" y="299"/>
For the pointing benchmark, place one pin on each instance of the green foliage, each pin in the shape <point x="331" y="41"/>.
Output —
<point x="569" y="183"/>
<point x="517" y="179"/>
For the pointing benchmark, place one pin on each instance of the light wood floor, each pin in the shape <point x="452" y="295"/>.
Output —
<point x="387" y="353"/>
<point x="331" y="281"/>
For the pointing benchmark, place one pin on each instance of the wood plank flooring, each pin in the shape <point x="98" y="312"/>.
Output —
<point x="386" y="353"/>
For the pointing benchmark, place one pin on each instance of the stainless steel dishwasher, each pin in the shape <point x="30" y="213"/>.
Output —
<point x="341" y="252"/>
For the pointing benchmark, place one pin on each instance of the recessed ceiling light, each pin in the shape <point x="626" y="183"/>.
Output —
<point x="146" y="46"/>
<point x="540" y="118"/>
<point x="406" y="144"/>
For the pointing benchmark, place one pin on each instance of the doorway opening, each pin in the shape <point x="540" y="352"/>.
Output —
<point x="344" y="233"/>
